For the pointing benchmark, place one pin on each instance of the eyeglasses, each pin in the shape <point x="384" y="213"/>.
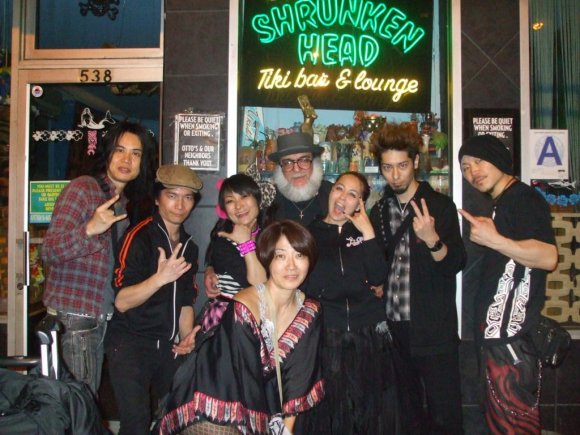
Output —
<point x="302" y="162"/>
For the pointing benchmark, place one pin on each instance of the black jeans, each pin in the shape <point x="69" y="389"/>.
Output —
<point x="138" y="366"/>
<point x="439" y="375"/>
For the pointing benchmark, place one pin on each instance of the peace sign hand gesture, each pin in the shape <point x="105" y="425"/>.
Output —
<point x="424" y="223"/>
<point x="103" y="218"/>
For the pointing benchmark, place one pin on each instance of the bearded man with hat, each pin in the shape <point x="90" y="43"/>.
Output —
<point x="154" y="283"/>
<point x="301" y="191"/>
<point x="520" y="250"/>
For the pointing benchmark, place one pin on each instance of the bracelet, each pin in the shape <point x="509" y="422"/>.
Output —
<point x="246" y="247"/>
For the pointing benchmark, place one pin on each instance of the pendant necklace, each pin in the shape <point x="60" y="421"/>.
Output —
<point x="302" y="210"/>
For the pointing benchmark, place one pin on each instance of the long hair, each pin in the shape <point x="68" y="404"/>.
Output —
<point x="139" y="190"/>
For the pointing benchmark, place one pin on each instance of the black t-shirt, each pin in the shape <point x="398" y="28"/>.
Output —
<point x="504" y="314"/>
<point x="229" y="266"/>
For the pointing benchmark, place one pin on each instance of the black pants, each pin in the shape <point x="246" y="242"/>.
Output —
<point x="439" y="375"/>
<point x="137" y="367"/>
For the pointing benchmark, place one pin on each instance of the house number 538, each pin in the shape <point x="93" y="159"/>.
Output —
<point x="95" y="75"/>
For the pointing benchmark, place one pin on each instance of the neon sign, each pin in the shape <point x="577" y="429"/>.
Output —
<point x="389" y="24"/>
<point x="374" y="54"/>
<point x="274" y="79"/>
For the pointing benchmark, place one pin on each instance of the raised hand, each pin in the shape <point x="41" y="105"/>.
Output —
<point x="103" y="218"/>
<point x="424" y="223"/>
<point x="240" y="234"/>
<point x="170" y="269"/>
<point x="483" y="230"/>
<point x="361" y="221"/>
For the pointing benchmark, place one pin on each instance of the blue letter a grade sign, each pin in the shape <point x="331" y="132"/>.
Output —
<point x="549" y="151"/>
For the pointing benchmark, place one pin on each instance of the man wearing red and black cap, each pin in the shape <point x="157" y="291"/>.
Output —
<point x="520" y="250"/>
<point x="154" y="283"/>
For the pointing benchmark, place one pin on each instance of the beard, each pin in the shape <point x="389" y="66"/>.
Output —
<point x="303" y="193"/>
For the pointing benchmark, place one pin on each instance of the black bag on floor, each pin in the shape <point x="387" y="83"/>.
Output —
<point x="52" y="403"/>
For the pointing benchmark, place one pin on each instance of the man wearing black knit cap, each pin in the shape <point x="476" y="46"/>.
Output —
<point x="520" y="250"/>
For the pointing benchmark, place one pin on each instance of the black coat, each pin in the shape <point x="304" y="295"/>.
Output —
<point x="433" y="288"/>
<point x="341" y="279"/>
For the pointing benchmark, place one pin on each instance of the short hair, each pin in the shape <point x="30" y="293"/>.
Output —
<point x="241" y="184"/>
<point x="298" y="237"/>
<point x="366" y="189"/>
<point x="397" y="137"/>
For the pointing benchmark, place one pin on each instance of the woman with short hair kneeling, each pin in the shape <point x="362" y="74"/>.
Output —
<point x="231" y="382"/>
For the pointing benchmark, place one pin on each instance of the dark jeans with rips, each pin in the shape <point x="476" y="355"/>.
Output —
<point x="439" y="375"/>
<point x="138" y="367"/>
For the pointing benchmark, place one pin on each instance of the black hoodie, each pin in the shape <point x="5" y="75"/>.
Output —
<point x="346" y="267"/>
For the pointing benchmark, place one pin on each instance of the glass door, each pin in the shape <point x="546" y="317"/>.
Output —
<point x="61" y="114"/>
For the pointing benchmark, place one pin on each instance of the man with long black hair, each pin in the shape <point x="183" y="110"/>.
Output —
<point x="89" y="216"/>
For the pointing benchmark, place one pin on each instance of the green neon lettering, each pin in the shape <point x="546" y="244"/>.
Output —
<point x="391" y="22"/>
<point x="261" y="24"/>
<point x="351" y="13"/>
<point x="308" y="48"/>
<point x="305" y="10"/>
<point x="283" y="19"/>
<point x="330" y="49"/>
<point x="370" y="15"/>
<point x="347" y="50"/>
<point x="368" y="50"/>
<point x="327" y="12"/>
<point x="409" y="35"/>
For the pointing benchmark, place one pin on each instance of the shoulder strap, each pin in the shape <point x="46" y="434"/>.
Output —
<point x="276" y="348"/>
<point x="392" y="241"/>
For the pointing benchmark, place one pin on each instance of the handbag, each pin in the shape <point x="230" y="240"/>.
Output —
<point x="551" y="341"/>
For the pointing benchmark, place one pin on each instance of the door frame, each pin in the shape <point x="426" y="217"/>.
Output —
<point x="17" y="333"/>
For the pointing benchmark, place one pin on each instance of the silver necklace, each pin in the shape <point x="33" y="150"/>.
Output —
<point x="302" y="210"/>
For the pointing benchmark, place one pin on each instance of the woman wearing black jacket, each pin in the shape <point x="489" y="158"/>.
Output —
<point x="358" y="359"/>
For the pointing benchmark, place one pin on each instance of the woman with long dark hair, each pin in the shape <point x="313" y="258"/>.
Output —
<point x="358" y="357"/>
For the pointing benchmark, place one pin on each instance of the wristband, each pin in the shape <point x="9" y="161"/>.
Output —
<point x="246" y="247"/>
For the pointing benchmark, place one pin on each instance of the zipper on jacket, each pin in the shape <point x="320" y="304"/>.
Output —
<point x="174" y="330"/>
<point x="347" y="316"/>
<point x="342" y="271"/>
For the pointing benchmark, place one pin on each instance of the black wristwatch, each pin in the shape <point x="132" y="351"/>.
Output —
<point x="436" y="247"/>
